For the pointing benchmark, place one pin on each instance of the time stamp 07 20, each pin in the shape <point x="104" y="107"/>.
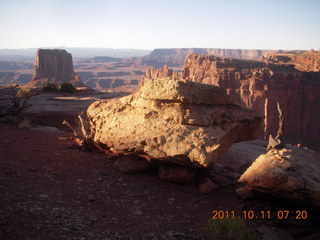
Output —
<point x="250" y="214"/>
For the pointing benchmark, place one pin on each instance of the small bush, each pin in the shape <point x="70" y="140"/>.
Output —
<point x="24" y="93"/>
<point x="50" y="86"/>
<point x="228" y="229"/>
<point x="67" y="87"/>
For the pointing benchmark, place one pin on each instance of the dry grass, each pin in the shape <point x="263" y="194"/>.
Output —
<point x="26" y="123"/>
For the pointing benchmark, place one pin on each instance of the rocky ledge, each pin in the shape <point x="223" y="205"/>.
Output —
<point x="291" y="173"/>
<point x="173" y="120"/>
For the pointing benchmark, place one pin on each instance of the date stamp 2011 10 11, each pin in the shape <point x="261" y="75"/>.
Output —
<point x="250" y="214"/>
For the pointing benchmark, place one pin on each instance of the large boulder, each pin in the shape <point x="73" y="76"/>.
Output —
<point x="291" y="173"/>
<point x="173" y="120"/>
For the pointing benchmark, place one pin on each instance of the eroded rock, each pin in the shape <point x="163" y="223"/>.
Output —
<point x="173" y="120"/>
<point x="291" y="173"/>
<point x="54" y="65"/>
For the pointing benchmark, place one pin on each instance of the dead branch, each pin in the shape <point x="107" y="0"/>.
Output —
<point x="278" y="142"/>
<point x="82" y="134"/>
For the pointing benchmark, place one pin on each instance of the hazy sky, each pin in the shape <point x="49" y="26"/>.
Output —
<point x="149" y="24"/>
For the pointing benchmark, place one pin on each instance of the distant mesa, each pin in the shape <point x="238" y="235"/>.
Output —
<point x="175" y="57"/>
<point x="106" y="59"/>
<point x="54" y="65"/>
<point x="306" y="62"/>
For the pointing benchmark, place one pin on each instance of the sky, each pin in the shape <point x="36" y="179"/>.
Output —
<point x="150" y="24"/>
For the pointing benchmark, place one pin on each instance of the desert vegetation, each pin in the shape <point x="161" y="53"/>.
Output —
<point x="65" y="87"/>
<point x="228" y="229"/>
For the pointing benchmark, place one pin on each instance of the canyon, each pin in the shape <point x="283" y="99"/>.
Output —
<point x="113" y="69"/>
<point x="260" y="85"/>
<point x="256" y="79"/>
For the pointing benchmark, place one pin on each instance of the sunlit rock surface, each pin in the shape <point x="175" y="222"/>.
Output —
<point x="173" y="120"/>
<point x="291" y="173"/>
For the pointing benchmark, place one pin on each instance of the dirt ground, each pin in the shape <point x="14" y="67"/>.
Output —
<point x="51" y="190"/>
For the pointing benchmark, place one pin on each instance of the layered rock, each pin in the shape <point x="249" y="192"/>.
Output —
<point x="175" y="57"/>
<point x="173" y="120"/>
<point x="306" y="62"/>
<point x="259" y="86"/>
<point x="153" y="73"/>
<point x="54" y="65"/>
<point x="291" y="173"/>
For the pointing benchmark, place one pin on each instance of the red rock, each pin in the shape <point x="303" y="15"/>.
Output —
<point x="259" y="86"/>
<point x="153" y="73"/>
<point x="173" y="120"/>
<point x="54" y="65"/>
<point x="306" y="62"/>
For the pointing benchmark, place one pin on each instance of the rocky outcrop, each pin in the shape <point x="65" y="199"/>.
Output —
<point x="259" y="86"/>
<point x="291" y="173"/>
<point x="54" y="65"/>
<point x="175" y="121"/>
<point x="306" y="62"/>
<point x="153" y="73"/>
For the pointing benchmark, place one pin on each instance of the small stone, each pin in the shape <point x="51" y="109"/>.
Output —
<point x="91" y="198"/>
<point x="208" y="186"/>
<point x="43" y="196"/>
<point x="93" y="218"/>
<point x="137" y="212"/>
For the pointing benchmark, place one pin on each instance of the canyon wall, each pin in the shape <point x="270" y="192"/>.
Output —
<point x="260" y="85"/>
<point x="306" y="62"/>
<point x="54" y="65"/>
<point x="174" y="57"/>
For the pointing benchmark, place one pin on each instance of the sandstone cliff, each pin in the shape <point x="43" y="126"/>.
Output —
<point x="259" y="86"/>
<point x="307" y="61"/>
<point x="54" y="65"/>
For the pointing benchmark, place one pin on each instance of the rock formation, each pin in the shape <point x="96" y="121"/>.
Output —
<point x="54" y="65"/>
<point x="173" y="121"/>
<point x="291" y="173"/>
<point x="306" y="62"/>
<point x="153" y="73"/>
<point x="175" y="57"/>
<point x="259" y="86"/>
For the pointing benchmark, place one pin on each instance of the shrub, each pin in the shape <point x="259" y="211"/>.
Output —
<point x="24" y="93"/>
<point x="50" y="86"/>
<point x="228" y="229"/>
<point x="67" y="87"/>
